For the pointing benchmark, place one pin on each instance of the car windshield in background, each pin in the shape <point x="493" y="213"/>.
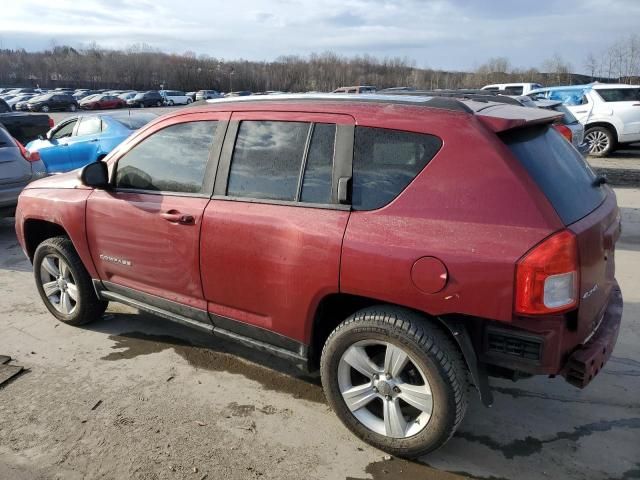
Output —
<point x="619" y="94"/>
<point x="40" y="98"/>
<point x="134" y="121"/>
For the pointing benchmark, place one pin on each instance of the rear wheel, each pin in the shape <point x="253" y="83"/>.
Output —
<point x="601" y="141"/>
<point x="72" y="108"/>
<point x="395" y="380"/>
<point x="64" y="284"/>
<point x="158" y="103"/>
<point x="44" y="108"/>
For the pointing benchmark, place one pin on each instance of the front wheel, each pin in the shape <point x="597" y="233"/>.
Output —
<point x="395" y="380"/>
<point x="44" y="108"/>
<point x="72" y="108"/>
<point x="600" y="140"/>
<point x="64" y="284"/>
<point x="158" y="103"/>
<point x="189" y="101"/>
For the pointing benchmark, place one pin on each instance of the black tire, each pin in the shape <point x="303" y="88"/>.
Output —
<point x="72" y="108"/>
<point x="45" y="109"/>
<point x="429" y="348"/>
<point x="601" y="140"/>
<point x="88" y="306"/>
<point x="158" y="104"/>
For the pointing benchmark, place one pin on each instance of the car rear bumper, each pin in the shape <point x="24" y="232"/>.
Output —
<point x="589" y="358"/>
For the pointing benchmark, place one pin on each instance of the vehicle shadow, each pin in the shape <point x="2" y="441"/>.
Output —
<point x="12" y="258"/>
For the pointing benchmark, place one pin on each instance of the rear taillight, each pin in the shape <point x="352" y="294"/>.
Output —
<point x="565" y="132"/>
<point x="547" y="276"/>
<point x="51" y="122"/>
<point x="27" y="155"/>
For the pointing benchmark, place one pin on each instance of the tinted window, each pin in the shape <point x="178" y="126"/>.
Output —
<point x="316" y="187"/>
<point x="619" y="94"/>
<point x="266" y="160"/>
<point x="89" y="126"/>
<point x="5" y="138"/>
<point x="558" y="169"/>
<point x="4" y="108"/>
<point x="513" y="90"/>
<point x="65" y="130"/>
<point x="171" y="160"/>
<point x="385" y="162"/>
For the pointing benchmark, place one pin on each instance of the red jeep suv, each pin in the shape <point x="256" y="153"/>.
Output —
<point x="408" y="247"/>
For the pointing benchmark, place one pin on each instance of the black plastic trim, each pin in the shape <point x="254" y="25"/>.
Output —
<point x="289" y="203"/>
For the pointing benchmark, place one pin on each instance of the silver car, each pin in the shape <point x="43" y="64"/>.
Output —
<point x="17" y="169"/>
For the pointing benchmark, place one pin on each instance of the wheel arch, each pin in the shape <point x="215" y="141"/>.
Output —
<point x="333" y="309"/>
<point x="609" y="126"/>
<point x="37" y="231"/>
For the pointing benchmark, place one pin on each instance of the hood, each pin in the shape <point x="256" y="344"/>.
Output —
<point x="62" y="180"/>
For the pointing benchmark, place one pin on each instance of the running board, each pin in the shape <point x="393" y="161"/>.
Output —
<point x="220" y="332"/>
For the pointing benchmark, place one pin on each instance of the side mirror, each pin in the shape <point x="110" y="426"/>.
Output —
<point x="95" y="175"/>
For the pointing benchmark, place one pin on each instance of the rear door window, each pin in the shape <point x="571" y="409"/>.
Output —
<point x="558" y="169"/>
<point x="316" y="187"/>
<point x="385" y="162"/>
<point x="619" y="94"/>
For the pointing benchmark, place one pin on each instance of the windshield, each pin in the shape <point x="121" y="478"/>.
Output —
<point x="41" y="97"/>
<point x="619" y="94"/>
<point x="134" y="121"/>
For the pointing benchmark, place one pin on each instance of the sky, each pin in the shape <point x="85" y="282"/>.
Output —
<point x="440" y="34"/>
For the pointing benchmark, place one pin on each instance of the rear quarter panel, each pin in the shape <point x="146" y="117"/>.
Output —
<point x="473" y="207"/>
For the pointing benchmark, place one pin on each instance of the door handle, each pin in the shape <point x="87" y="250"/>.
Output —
<point x="93" y="140"/>
<point x="582" y="111"/>
<point x="174" y="216"/>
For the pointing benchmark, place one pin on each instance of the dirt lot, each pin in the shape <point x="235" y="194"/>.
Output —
<point x="132" y="396"/>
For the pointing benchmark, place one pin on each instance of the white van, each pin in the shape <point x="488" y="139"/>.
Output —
<point x="512" y="88"/>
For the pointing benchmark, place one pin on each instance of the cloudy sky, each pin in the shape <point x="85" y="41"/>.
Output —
<point x="448" y="34"/>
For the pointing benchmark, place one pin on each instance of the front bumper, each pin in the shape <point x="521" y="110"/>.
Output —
<point x="589" y="358"/>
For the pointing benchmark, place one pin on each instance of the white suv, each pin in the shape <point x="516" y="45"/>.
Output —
<point x="512" y="88"/>
<point x="175" y="97"/>
<point x="609" y="112"/>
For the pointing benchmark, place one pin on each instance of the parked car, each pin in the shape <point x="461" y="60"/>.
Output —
<point x="18" y="91"/>
<point x="151" y="98"/>
<point x="83" y="94"/>
<point x="22" y="126"/>
<point x="523" y="88"/>
<point x="239" y="93"/>
<point x="20" y="98"/>
<point x="127" y="95"/>
<point x="207" y="95"/>
<point x="102" y="102"/>
<point x="175" y="97"/>
<point x="19" y="167"/>
<point x="356" y="89"/>
<point x="610" y="113"/>
<point x="568" y="125"/>
<point x="53" y="101"/>
<point x="315" y="232"/>
<point x="80" y="140"/>
<point x="192" y="95"/>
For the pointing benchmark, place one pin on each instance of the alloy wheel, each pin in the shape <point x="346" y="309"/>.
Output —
<point x="385" y="389"/>
<point x="58" y="284"/>
<point x="598" y="141"/>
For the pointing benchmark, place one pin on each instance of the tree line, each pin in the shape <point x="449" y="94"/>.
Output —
<point x="142" y="67"/>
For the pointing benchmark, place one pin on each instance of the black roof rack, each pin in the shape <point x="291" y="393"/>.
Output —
<point x="465" y="94"/>
<point x="451" y="104"/>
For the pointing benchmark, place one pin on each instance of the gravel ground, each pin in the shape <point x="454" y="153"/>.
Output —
<point x="133" y="396"/>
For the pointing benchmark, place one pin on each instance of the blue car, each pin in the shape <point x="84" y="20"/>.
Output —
<point x="84" y="139"/>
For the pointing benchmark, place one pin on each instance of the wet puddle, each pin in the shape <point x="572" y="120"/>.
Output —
<point x="400" y="469"/>
<point x="134" y="344"/>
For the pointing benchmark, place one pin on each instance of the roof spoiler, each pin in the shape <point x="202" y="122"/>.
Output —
<point x="501" y="117"/>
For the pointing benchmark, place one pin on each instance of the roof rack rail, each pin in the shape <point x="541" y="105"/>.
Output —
<point x="451" y="104"/>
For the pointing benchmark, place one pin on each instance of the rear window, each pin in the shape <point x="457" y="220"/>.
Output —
<point x="619" y="94"/>
<point x="384" y="163"/>
<point x="558" y="169"/>
<point x="135" y="121"/>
